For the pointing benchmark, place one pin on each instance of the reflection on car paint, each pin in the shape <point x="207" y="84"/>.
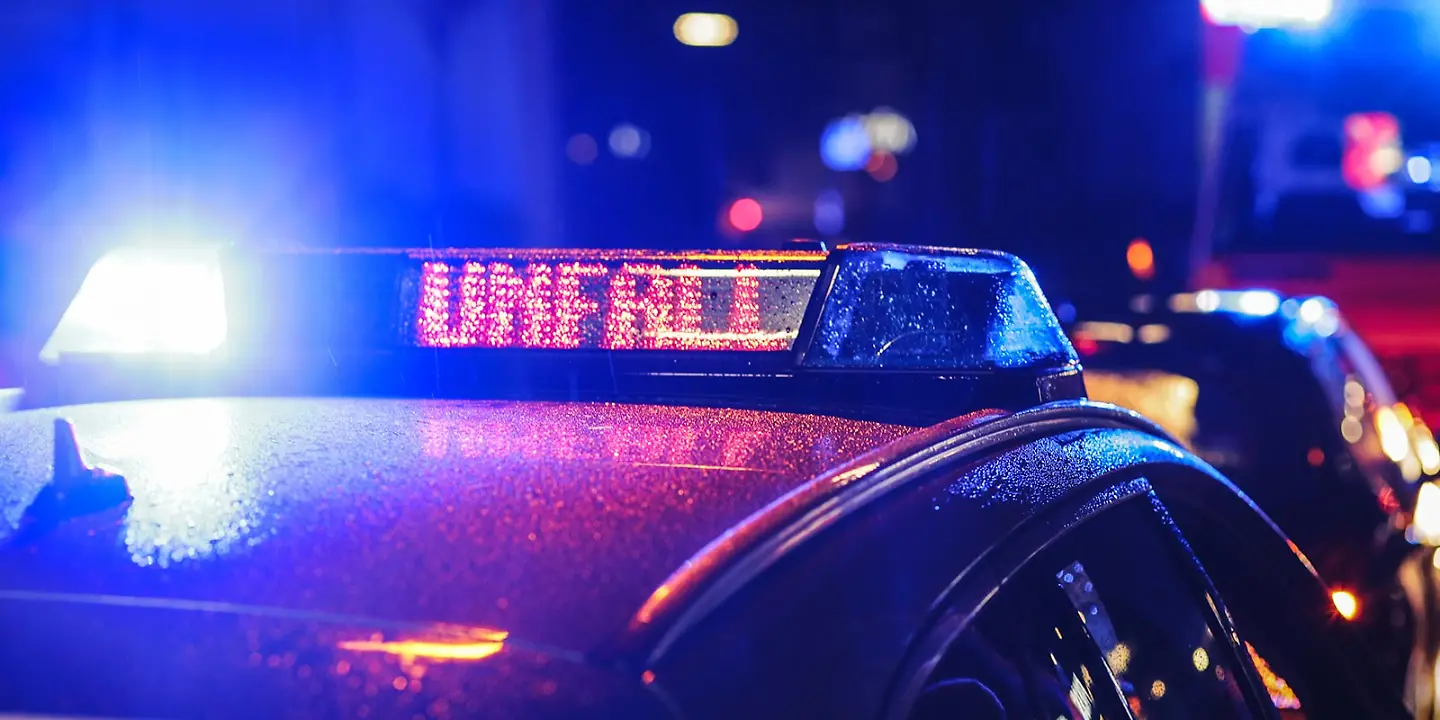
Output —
<point x="1280" y="691"/>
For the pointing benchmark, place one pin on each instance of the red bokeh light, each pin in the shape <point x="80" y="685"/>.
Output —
<point x="746" y="214"/>
<point x="882" y="167"/>
<point x="1372" y="150"/>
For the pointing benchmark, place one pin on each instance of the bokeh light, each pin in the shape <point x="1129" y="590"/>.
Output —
<point x="882" y="166"/>
<point x="706" y="29"/>
<point x="830" y="213"/>
<point x="746" y="214"/>
<point x="581" y="149"/>
<point x="628" y="141"/>
<point x="845" y="144"/>
<point x="1420" y="169"/>
<point x="1386" y="202"/>
<point x="889" y="131"/>
<point x="1141" y="259"/>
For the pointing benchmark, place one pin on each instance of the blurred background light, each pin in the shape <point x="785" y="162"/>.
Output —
<point x="1386" y="202"/>
<point x="1419" y="169"/>
<point x="830" y="213"/>
<point x="845" y="144"/>
<point x="889" y="131"/>
<point x="1259" y="302"/>
<point x="1207" y="301"/>
<point x="581" y="149"/>
<point x="628" y="141"/>
<point x="1426" y="520"/>
<point x="882" y="166"/>
<point x="1265" y="14"/>
<point x="1372" y="150"/>
<point x="1394" y="436"/>
<point x="745" y="214"/>
<point x="706" y="29"/>
<point x="1141" y="259"/>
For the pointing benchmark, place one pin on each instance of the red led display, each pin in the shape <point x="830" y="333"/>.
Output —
<point x="640" y="305"/>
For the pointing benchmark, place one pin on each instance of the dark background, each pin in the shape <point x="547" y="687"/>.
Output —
<point x="1057" y="129"/>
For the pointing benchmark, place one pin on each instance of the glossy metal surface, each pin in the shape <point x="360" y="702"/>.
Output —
<point x="849" y="598"/>
<point x="732" y="561"/>
<point x="550" y="521"/>
<point x="111" y="658"/>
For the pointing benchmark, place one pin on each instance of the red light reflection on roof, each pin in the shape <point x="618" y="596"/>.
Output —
<point x="566" y="305"/>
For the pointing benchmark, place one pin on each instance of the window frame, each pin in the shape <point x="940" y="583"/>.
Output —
<point x="1295" y="606"/>
<point x="1034" y="540"/>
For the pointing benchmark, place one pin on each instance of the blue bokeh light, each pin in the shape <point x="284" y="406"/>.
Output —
<point x="830" y="213"/>
<point x="845" y="145"/>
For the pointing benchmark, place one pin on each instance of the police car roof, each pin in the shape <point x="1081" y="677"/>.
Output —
<point x="553" y="521"/>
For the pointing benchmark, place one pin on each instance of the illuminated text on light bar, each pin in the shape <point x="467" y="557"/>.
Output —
<point x="479" y="303"/>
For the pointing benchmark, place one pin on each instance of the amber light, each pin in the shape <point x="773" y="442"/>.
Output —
<point x="1141" y="259"/>
<point x="487" y="644"/>
<point x="1281" y="694"/>
<point x="1346" y="603"/>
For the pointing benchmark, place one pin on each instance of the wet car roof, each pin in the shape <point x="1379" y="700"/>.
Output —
<point x="553" y="521"/>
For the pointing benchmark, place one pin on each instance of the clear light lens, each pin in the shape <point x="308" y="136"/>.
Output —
<point x="935" y="308"/>
<point x="145" y="301"/>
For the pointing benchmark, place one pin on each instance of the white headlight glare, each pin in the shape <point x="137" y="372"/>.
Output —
<point x="140" y="301"/>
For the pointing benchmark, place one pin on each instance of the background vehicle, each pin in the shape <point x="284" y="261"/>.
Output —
<point x="724" y="526"/>
<point x="1288" y="402"/>
<point x="1325" y="180"/>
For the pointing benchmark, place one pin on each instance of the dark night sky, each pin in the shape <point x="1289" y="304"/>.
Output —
<point x="1058" y="129"/>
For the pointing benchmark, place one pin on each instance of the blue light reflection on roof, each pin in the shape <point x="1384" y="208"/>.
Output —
<point x="936" y="308"/>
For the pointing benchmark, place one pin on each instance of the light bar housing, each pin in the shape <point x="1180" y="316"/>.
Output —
<point x="933" y="309"/>
<point x="873" y="327"/>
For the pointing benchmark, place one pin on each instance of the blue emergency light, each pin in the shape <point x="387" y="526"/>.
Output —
<point x="593" y="323"/>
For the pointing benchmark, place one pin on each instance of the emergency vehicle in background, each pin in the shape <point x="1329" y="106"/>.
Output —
<point x="1322" y="174"/>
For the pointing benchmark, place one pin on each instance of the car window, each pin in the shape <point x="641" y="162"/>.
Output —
<point x="1109" y="622"/>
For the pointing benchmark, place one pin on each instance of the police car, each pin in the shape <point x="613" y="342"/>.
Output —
<point x="1289" y="403"/>
<point x="862" y="483"/>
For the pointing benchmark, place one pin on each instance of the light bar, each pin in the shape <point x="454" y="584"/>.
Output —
<point x="1268" y="14"/>
<point x="937" y="309"/>
<point x="613" y="302"/>
<point x="138" y="301"/>
<point x="915" y="330"/>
